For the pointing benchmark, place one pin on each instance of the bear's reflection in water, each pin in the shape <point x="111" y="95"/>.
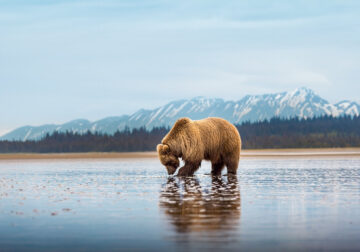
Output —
<point x="191" y="208"/>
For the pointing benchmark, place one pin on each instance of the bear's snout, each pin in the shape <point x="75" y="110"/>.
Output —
<point x="170" y="169"/>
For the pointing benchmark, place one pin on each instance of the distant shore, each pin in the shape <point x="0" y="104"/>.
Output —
<point x="262" y="153"/>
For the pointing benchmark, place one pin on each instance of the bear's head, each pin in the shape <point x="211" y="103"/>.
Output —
<point x="168" y="159"/>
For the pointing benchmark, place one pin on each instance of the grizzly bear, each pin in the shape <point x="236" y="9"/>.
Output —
<point x="213" y="139"/>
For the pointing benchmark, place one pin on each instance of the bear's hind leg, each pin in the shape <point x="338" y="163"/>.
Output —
<point x="188" y="169"/>
<point x="216" y="168"/>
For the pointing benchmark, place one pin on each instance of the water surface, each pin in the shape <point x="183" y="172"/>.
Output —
<point x="131" y="204"/>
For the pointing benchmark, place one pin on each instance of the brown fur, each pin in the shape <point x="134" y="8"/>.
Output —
<point x="213" y="139"/>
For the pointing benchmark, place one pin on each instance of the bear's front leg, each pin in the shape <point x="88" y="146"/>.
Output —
<point x="188" y="169"/>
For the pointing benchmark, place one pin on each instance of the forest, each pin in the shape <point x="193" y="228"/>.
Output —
<point x="320" y="132"/>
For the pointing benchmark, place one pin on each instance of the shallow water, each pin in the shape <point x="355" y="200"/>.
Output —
<point x="127" y="204"/>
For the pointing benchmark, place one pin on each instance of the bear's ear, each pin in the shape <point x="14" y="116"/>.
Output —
<point x="166" y="148"/>
<point x="163" y="148"/>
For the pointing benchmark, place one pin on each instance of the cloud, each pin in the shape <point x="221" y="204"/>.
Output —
<point x="217" y="23"/>
<point x="4" y="131"/>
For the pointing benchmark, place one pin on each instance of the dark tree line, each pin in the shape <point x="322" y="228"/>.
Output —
<point x="134" y="140"/>
<point x="318" y="132"/>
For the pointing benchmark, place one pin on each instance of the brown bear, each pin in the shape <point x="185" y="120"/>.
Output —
<point x="213" y="139"/>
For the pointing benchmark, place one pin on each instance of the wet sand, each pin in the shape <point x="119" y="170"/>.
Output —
<point x="266" y="153"/>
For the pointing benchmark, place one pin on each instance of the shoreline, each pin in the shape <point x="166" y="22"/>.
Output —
<point x="254" y="153"/>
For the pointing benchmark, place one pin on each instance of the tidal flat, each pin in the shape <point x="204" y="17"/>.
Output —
<point x="276" y="202"/>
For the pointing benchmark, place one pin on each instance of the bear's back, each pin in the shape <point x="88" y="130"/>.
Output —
<point x="218" y="132"/>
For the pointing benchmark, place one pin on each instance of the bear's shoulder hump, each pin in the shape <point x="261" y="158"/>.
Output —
<point x="182" y="121"/>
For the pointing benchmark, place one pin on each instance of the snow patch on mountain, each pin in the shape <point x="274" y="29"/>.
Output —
<point x="301" y="102"/>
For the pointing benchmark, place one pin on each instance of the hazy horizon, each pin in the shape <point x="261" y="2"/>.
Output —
<point x="64" y="60"/>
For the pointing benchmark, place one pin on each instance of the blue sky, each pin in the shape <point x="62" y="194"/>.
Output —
<point x="63" y="60"/>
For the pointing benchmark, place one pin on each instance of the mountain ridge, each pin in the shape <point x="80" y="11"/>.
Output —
<point x="301" y="102"/>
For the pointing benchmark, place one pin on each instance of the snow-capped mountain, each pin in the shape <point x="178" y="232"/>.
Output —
<point x="301" y="102"/>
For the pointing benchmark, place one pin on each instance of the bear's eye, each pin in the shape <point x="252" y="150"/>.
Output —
<point x="169" y="162"/>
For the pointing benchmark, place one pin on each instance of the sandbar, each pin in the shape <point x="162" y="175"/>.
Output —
<point x="261" y="153"/>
